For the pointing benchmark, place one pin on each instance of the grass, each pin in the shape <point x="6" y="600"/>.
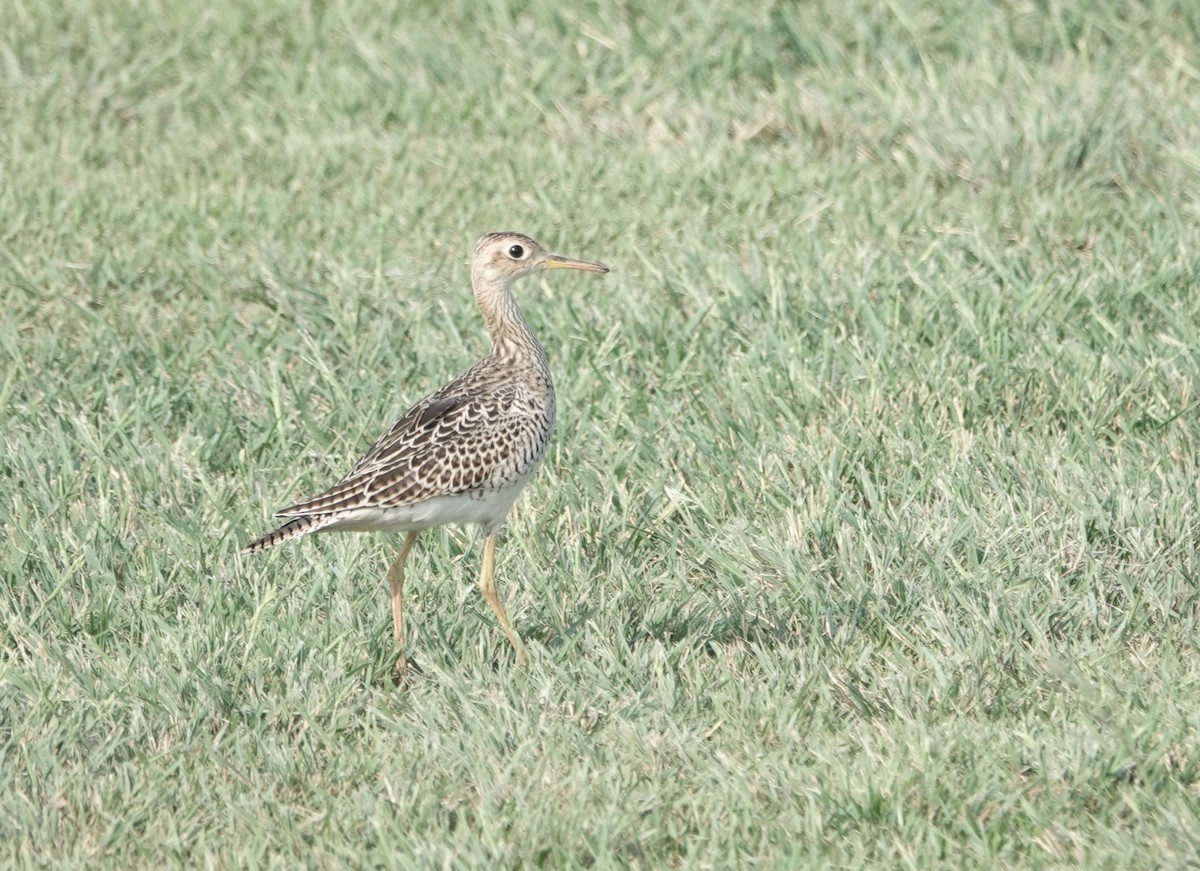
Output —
<point x="868" y="537"/>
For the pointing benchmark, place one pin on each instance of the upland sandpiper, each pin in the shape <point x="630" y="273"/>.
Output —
<point x="463" y="453"/>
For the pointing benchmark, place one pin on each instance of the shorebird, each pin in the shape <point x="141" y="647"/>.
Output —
<point x="461" y="454"/>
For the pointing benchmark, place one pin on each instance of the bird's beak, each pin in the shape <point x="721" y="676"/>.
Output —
<point x="553" y="261"/>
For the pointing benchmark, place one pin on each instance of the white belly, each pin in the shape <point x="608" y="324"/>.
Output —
<point x="487" y="508"/>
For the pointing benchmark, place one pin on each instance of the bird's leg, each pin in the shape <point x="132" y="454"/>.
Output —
<point x="487" y="586"/>
<point x="396" y="581"/>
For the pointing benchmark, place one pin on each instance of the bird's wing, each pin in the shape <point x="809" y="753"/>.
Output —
<point x="445" y="444"/>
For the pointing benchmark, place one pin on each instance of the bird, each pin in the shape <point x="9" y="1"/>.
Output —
<point x="463" y="453"/>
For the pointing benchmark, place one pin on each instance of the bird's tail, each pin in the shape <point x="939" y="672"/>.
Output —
<point x="294" y="528"/>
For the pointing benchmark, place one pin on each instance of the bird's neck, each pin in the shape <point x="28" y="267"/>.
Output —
<point x="512" y="339"/>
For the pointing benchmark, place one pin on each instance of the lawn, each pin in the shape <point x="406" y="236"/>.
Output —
<point x="868" y="537"/>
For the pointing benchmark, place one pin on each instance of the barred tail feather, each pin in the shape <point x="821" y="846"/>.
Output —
<point x="294" y="528"/>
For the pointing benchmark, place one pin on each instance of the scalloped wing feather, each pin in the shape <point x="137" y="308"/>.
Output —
<point x="446" y="444"/>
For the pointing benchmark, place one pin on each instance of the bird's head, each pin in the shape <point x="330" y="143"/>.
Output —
<point x="505" y="257"/>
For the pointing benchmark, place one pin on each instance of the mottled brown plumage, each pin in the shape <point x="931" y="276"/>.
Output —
<point x="463" y="453"/>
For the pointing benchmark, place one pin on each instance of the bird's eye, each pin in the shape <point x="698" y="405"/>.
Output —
<point x="516" y="252"/>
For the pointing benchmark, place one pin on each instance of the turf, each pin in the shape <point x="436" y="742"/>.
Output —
<point x="868" y="537"/>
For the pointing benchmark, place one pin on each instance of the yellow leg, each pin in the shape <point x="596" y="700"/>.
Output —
<point x="396" y="581"/>
<point x="487" y="586"/>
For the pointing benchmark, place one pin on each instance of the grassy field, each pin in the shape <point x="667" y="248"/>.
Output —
<point x="868" y="538"/>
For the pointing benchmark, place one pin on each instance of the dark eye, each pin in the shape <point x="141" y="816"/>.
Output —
<point x="516" y="252"/>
